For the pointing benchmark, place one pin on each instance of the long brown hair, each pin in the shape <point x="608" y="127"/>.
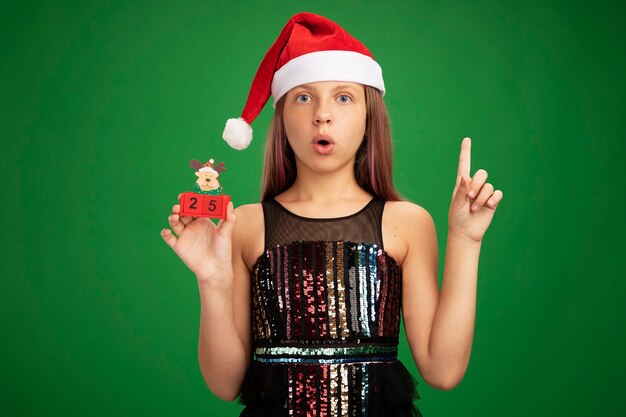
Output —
<point x="372" y="165"/>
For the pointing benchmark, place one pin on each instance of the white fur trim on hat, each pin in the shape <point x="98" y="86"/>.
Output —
<point x="204" y="169"/>
<point x="327" y="66"/>
<point x="237" y="133"/>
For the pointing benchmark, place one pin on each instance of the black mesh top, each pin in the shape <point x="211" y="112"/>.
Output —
<point x="283" y="226"/>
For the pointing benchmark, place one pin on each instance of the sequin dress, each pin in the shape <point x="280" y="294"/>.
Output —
<point x="326" y="301"/>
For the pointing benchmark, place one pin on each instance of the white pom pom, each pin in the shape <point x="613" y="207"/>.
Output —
<point x="237" y="133"/>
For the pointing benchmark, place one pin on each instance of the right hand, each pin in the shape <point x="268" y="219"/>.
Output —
<point x="203" y="246"/>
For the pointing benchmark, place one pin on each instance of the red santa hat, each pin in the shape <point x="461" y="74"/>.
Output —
<point x="310" y="48"/>
<point x="208" y="166"/>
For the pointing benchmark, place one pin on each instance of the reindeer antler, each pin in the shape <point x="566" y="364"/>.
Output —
<point x="219" y="167"/>
<point x="195" y="164"/>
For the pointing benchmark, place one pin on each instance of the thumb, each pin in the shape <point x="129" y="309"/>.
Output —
<point x="226" y="226"/>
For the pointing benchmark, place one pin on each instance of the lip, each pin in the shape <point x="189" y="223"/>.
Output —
<point x="323" y="136"/>
<point x="323" y="149"/>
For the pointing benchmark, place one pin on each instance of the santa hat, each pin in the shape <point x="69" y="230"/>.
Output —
<point x="208" y="166"/>
<point x="310" y="48"/>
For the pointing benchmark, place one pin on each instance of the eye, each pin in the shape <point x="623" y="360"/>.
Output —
<point x="301" y="95"/>
<point x="343" y="98"/>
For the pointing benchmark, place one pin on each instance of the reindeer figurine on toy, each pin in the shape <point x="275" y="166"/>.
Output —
<point x="207" y="174"/>
<point x="207" y="199"/>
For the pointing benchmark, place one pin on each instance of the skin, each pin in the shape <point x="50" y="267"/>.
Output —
<point x="439" y="325"/>
<point x="338" y="111"/>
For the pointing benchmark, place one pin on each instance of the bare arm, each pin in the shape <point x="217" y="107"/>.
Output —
<point x="214" y="254"/>
<point x="453" y="327"/>
<point x="473" y="205"/>
<point x="224" y="345"/>
<point x="439" y="326"/>
<point x="221" y="352"/>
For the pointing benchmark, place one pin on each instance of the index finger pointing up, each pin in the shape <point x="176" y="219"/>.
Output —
<point x="464" y="158"/>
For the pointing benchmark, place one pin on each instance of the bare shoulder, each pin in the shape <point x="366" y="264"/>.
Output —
<point x="404" y="222"/>
<point x="249" y="211"/>
<point x="407" y="211"/>
<point x="249" y="232"/>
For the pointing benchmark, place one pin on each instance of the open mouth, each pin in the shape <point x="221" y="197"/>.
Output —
<point x="323" y="147"/>
<point x="323" y="144"/>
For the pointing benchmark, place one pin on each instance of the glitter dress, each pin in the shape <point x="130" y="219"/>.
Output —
<point x="326" y="301"/>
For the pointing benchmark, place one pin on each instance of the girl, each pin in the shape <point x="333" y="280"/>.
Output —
<point x="313" y="279"/>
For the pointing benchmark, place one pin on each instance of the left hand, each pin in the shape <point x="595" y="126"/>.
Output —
<point x="463" y="220"/>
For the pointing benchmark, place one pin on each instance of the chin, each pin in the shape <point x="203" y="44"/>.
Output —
<point x="324" y="165"/>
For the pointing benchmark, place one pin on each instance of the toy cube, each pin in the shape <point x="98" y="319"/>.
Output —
<point x="204" y="205"/>
<point x="215" y="206"/>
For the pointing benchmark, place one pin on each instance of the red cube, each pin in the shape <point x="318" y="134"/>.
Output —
<point x="204" y="205"/>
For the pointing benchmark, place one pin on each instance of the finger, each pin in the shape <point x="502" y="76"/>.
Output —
<point x="494" y="200"/>
<point x="226" y="226"/>
<point x="185" y="220"/>
<point x="478" y="180"/>
<point x="464" y="158"/>
<point x="169" y="238"/>
<point x="485" y="192"/>
<point x="175" y="223"/>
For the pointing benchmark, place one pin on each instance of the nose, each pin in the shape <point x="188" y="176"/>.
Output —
<point x="322" y="114"/>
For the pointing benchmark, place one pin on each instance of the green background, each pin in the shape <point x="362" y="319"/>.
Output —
<point x="103" y="104"/>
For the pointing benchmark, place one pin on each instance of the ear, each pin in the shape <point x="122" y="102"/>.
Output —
<point x="197" y="173"/>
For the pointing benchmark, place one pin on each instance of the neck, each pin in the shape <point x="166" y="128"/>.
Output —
<point x="325" y="187"/>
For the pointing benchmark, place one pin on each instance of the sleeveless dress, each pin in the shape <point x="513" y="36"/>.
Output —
<point x="326" y="302"/>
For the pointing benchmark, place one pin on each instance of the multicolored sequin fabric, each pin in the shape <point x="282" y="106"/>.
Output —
<point x="325" y="291"/>
<point x="327" y="311"/>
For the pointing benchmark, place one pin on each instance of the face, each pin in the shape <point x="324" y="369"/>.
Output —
<point x="207" y="180"/>
<point x="332" y="108"/>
